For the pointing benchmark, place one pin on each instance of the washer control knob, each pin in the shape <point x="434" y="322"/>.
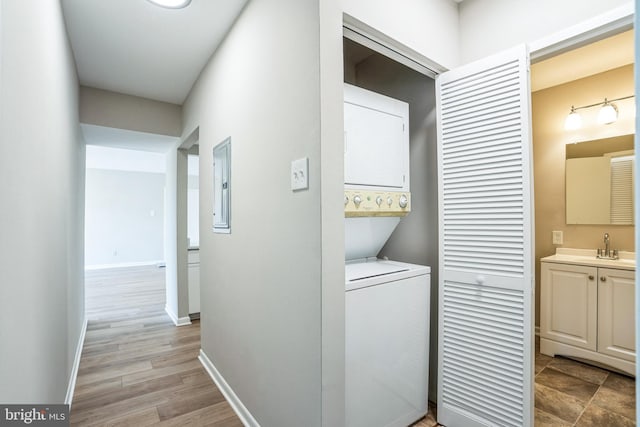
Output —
<point x="389" y="201"/>
<point x="403" y="202"/>
<point x="346" y="200"/>
<point x="378" y="200"/>
<point x="357" y="200"/>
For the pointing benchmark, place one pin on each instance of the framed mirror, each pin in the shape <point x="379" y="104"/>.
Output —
<point x="599" y="181"/>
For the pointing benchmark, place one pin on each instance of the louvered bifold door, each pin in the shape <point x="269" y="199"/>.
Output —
<point x="485" y="370"/>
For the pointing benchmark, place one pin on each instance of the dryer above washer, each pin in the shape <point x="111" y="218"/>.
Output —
<point x="376" y="141"/>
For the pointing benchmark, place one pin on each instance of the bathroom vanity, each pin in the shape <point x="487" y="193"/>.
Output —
<point x="587" y="307"/>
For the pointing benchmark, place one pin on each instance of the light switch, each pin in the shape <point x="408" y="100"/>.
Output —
<point x="300" y="174"/>
<point x="557" y="237"/>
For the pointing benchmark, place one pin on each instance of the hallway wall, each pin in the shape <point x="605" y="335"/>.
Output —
<point x="42" y="215"/>
<point x="490" y="26"/>
<point x="429" y="27"/>
<point x="124" y="218"/>
<point x="261" y="284"/>
<point x="124" y="207"/>
<point x="116" y="110"/>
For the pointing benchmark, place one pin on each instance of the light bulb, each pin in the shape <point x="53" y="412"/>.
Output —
<point x="573" y="120"/>
<point x="608" y="113"/>
<point x="171" y="4"/>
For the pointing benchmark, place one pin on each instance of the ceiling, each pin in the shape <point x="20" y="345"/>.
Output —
<point x="137" y="48"/>
<point x="595" y="58"/>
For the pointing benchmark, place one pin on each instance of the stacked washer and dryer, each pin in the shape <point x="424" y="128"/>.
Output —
<point x="387" y="302"/>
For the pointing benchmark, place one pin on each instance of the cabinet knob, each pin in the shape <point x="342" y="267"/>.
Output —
<point x="603" y="278"/>
<point x="591" y="277"/>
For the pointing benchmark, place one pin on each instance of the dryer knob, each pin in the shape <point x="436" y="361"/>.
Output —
<point x="357" y="200"/>
<point x="378" y="200"/>
<point x="389" y="201"/>
<point x="346" y="200"/>
<point x="403" y="202"/>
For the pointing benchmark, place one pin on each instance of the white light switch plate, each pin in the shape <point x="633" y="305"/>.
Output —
<point x="300" y="174"/>
<point x="557" y="237"/>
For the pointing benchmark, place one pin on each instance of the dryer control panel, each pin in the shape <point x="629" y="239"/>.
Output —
<point x="376" y="203"/>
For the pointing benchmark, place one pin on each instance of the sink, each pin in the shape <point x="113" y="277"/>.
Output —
<point x="626" y="261"/>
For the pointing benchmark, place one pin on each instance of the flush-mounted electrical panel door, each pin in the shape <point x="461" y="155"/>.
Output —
<point x="222" y="187"/>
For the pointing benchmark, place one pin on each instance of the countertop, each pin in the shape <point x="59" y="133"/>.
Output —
<point x="587" y="257"/>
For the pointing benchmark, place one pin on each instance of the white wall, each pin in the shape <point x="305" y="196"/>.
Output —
<point x="429" y="27"/>
<point x="124" y="218"/>
<point x="193" y="200"/>
<point x="170" y="233"/>
<point x="332" y="213"/>
<point x="489" y="26"/>
<point x="41" y="220"/>
<point x="261" y="285"/>
<point x="121" y="159"/>
<point x="116" y="110"/>
<point x="124" y="207"/>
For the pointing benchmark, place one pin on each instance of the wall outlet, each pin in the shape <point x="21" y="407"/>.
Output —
<point x="557" y="237"/>
<point x="300" y="174"/>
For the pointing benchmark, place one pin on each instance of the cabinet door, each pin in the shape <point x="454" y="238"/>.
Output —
<point x="568" y="304"/>
<point x="193" y="279"/>
<point x="616" y="313"/>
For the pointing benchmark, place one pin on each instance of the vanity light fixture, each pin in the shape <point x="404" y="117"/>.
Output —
<point x="608" y="113"/>
<point x="573" y="120"/>
<point x="171" y="4"/>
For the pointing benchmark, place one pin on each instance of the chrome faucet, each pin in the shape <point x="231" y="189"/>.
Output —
<point x="607" y="253"/>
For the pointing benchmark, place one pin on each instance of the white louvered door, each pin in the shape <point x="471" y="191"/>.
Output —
<point x="485" y="366"/>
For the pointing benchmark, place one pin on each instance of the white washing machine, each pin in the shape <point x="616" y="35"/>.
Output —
<point x="387" y="302"/>
<point x="387" y="342"/>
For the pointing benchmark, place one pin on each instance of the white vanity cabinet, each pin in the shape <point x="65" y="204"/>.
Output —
<point x="616" y="313"/>
<point x="569" y="304"/>
<point x="587" y="310"/>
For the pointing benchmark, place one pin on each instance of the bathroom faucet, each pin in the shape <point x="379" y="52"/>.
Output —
<point x="607" y="252"/>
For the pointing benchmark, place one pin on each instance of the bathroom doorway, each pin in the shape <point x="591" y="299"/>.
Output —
<point x="583" y="387"/>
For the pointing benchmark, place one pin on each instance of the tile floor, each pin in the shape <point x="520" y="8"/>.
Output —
<point x="570" y="393"/>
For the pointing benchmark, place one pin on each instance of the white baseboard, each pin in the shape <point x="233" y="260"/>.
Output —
<point x="76" y="364"/>
<point x="178" y="321"/>
<point x="158" y="263"/>
<point x="241" y="411"/>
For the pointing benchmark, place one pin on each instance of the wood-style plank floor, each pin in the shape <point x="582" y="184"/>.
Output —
<point x="137" y="368"/>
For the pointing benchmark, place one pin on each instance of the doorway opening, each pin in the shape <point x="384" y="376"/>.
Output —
<point x="357" y="52"/>
<point x="376" y="72"/>
<point x="125" y="207"/>
<point x="584" y="313"/>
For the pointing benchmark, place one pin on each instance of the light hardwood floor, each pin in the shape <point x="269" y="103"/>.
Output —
<point x="137" y="368"/>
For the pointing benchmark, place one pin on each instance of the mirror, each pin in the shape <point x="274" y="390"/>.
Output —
<point x="599" y="181"/>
